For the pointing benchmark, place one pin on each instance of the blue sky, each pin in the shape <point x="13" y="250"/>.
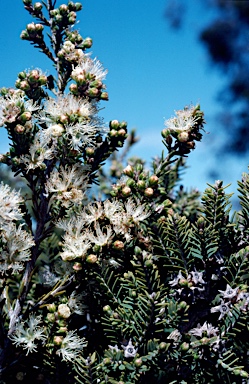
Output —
<point x="152" y="71"/>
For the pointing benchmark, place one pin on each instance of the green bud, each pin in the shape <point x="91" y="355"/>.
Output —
<point x="91" y="259"/>
<point x="27" y="2"/>
<point x="37" y="6"/>
<point x="137" y="250"/>
<point x="138" y="362"/>
<point x="78" y="7"/>
<point x="118" y="245"/>
<point x="104" y="96"/>
<point x="114" y="124"/>
<point x="73" y="88"/>
<point x="77" y="266"/>
<point x="148" y="263"/>
<point x="31" y="27"/>
<point x="149" y="192"/>
<point x="153" y="180"/>
<point x="90" y="151"/>
<point x="22" y="75"/>
<point x="107" y="361"/>
<point x="126" y="191"/>
<point x="25" y="116"/>
<point x="93" y="92"/>
<point x="87" y="42"/>
<point x="162" y="346"/>
<point x="43" y="80"/>
<point x="51" y="307"/>
<point x="184" y="346"/>
<point x="141" y="184"/>
<point x="107" y="308"/>
<point x="63" y="9"/>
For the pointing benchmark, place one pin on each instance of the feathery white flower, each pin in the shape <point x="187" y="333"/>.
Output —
<point x="66" y="105"/>
<point x="71" y="346"/>
<point x="28" y="333"/>
<point x="9" y="204"/>
<point x="91" y="67"/>
<point x="182" y="122"/>
<point x="103" y="235"/>
<point x="16" y="244"/>
<point x="69" y="184"/>
<point x="136" y="211"/>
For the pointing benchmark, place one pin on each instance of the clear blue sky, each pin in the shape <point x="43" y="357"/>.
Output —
<point x="152" y="70"/>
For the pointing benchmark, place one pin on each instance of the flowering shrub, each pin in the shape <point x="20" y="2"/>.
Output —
<point x="144" y="283"/>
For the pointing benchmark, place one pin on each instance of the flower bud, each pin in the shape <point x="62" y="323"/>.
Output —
<point x="73" y="88"/>
<point x="162" y="346"/>
<point x="27" y="2"/>
<point x="51" y="307"/>
<point x="58" y="340"/>
<point x="64" y="311"/>
<point x="184" y="346"/>
<point x="104" y="96"/>
<point x="19" y="129"/>
<point x="24" y="35"/>
<point x="129" y="171"/>
<point x="114" y="124"/>
<point x="113" y="133"/>
<point x="138" y="362"/>
<point x="25" y="116"/>
<point x="23" y="85"/>
<point x="37" y="6"/>
<point x="90" y="151"/>
<point x="107" y="308"/>
<point x="87" y="43"/>
<point x="93" y="92"/>
<point x="33" y="76"/>
<point x="183" y="137"/>
<point x="91" y="259"/>
<point x="63" y="119"/>
<point x="77" y="266"/>
<point x="63" y="9"/>
<point x="149" y="192"/>
<point x="118" y="245"/>
<point x="22" y="75"/>
<point x="72" y="17"/>
<point x="51" y="317"/>
<point x="126" y="191"/>
<point x="78" y="7"/>
<point x="43" y="80"/>
<point x="31" y="27"/>
<point x="190" y="144"/>
<point x="122" y="132"/>
<point x="153" y="180"/>
<point x="141" y="184"/>
<point x="107" y="361"/>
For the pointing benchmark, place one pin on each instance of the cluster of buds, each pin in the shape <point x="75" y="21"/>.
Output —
<point x="34" y="9"/>
<point x="33" y="32"/>
<point x="139" y="182"/>
<point x="30" y="82"/>
<point x="89" y="75"/>
<point x="184" y="128"/>
<point x="70" y="53"/>
<point x="66" y="14"/>
<point x="59" y="315"/>
<point x="117" y="133"/>
<point x="75" y="38"/>
<point x="15" y="112"/>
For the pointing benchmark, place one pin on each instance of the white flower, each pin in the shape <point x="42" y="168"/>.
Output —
<point x="115" y="348"/>
<point x="39" y="151"/>
<point x="69" y="184"/>
<point x="129" y="350"/>
<point x="64" y="311"/>
<point x="9" y="204"/>
<point x="175" y="335"/>
<point x="87" y="66"/>
<point x="75" y="247"/>
<point x="175" y="281"/>
<point x="204" y="330"/>
<point x="136" y="211"/>
<point x="223" y="308"/>
<point x="103" y="235"/>
<point x="183" y="122"/>
<point x="71" y="347"/>
<point x="196" y="277"/>
<point x="16" y="244"/>
<point x="28" y="333"/>
<point x="75" y="303"/>
<point x="67" y="105"/>
<point x="229" y="293"/>
<point x="81" y="134"/>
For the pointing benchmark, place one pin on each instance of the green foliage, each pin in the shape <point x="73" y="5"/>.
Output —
<point x="148" y="283"/>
